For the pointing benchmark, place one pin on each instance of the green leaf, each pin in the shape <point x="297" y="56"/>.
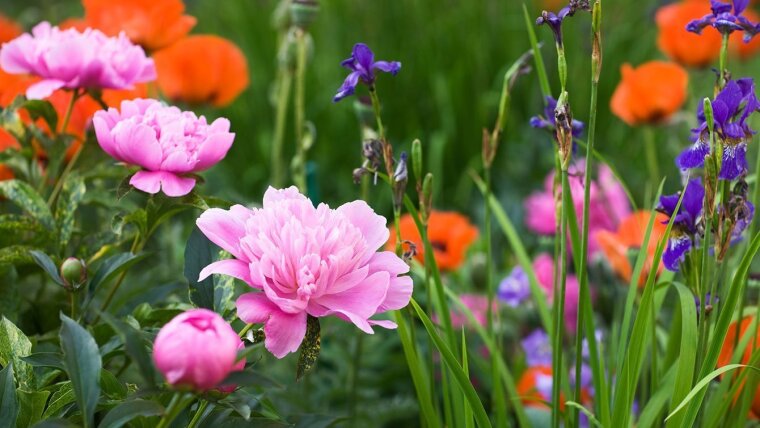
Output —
<point x="199" y="253"/>
<point x="46" y="359"/>
<point x="13" y="346"/>
<point x="111" y="386"/>
<point x="29" y="200"/>
<point x="55" y="423"/>
<point x="687" y="356"/>
<point x="459" y="376"/>
<point x="61" y="398"/>
<point x="124" y="187"/>
<point x="83" y="364"/>
<point x="125" y="412"/>
<point x="46" y="263"/>
<point x="16" y="255"/>
<point x="15" y="225"/>
<point x="113" y="266"/>
<point x="8" y="400"/>
<point x="72" y="192"/>
<point x="310" y="347"/>
<point x="10" y="298"/>
<point x="42" y="109"/>
<point x="703" y="383"/>
<point x="135" y="345"/>
<point x="32" y="405"/>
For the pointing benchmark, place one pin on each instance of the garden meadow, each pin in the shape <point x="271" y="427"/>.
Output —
<point x="304" y="213"/>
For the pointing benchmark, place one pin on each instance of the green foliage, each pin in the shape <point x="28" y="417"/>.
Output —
<point x="83" y="365"/>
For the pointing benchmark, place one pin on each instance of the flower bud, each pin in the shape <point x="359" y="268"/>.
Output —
<point x="417" y="159"/>
<point x="303" y="12"/>
<point x="73" y="273"/>
<point x="400" y="178"/>
<point x="196" y="350"/>
<point x="426" y="199"/>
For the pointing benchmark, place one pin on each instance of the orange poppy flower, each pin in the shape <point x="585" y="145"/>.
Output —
<point x="684" y="47"/>
<point x="528" y="387"/>
<point x="6" y="142"/>
<point x="450" y="235"/>
<point x="727" y="352"/>
<point x="202" y="69"/>
<point x="9" y="29"/>
<point x="630" y="235"/>
<point x="650" y="93"/>
<point x="153" y="24"/>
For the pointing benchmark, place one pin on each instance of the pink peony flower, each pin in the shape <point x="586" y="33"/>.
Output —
<point x="608" y="204"/>
<point x="72" y="59"/>
<point x="166" y="142"/>
<point x="544" y="267"/>
<point x="307" y="261"/>
<point x="197" y="349"/>
<point x="478" y="305"/>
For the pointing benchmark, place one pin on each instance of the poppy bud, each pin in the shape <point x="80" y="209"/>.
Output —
<point x="73" y="272"/>
<point x="303" y="12"/>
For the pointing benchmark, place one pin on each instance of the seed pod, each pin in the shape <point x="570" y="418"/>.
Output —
<point x="73" y="273"/>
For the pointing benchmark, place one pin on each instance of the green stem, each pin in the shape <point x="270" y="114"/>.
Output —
<point x="73" y="303"/>
<point x="178" y="403"/>
<point x="723" y="60"/>
<point x="198" y="414"/>
<point x="283" y="96"/>
<point x="560" y="306"/>
<point x="376" y="110"/>
<point x="651" y="154"/>
<point x="137" y="246"/>
<point x="70" y="165"/>
<point x="299" y="164"/>
<point x="245" y="330"/>
<point x="67" y="116"/>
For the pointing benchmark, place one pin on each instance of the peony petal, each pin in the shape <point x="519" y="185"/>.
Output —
<point x="232" y="267"/>
<point x="390" y="325"/>
<point x="284" y="332"/>
<point x="225" y="228"/>
<point x="103" y="134"/>
<point x="174" y="186"/>
<point x="361" y="300"/>
<point x="136" y="144"/>
<point x="214" y="149"/>
<point x="275" y="195"/>
<point x="147" y="181"/>
<point x="372" y="226"/>
<point x="44" y="89"/>
<point x="254" y="308"/>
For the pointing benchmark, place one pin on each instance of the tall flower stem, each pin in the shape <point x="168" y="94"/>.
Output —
<point x="651" y="155"/>
<point x="70" y="165"/>
<point x="299" y="163"/>
<point x="137" y="246"/>
<point x="723" y="63"/>
<point x="559" y="322"/>
<point x="198" y="414"/>
<point x="285" y="82"/>
<point x="177" y="404"/>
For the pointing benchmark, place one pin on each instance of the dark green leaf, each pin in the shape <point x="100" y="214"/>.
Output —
<point x="18" y="224"/>
<point x="8" y="399"/>
<point x="83" y="364"/>
<point x="199" y="253"/>
<point x="124" y="187"/>
<point x="42" y="109"/>
<point x="32" y="405"/>
<point x="46" y="263"/>
<point x="111" y="386"/>
<point x="29" y="200"/>
<point x="61" y="398"/>
<point x="136" y="346"/>
<point x="113" y="266"/>
<point x="13" y="346"/>
<point x="125" y="412"/>
<point x="309" y="347"/>
<point x="46" y="359"/>
<point x="55" y="423"/>
<point x="72" y="193"/>
<point x="224" y="290"/>
<point x="318" y="421"/>
<point x="248" y="378"/>
<point x="10" y="298"/>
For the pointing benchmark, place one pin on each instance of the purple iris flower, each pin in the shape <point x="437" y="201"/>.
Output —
<point x="547" y="121"/>
<point x="731" y="109"/>
<point x="515" y="288"/>
<point x="538" y="349"/>
<point x="726" y="18"/>
<point x="363" y="65"/>
<point x="554" y="21"/>
<point x="685" y="224"/>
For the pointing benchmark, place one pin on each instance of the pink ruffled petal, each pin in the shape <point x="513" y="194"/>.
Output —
<point x="274" y="195"/>
<point x="43" y="89"/>
<point x="232" y="267"/>
<point x="174" y="186"/>
<point x="254" y="308"/>
<point x="390" y="325"/>
<point x="225" y="228"/>
<point x="372" y="226"/>
<point x="284" y="332"/>
<point x="361" y="300"/>
<point x="147" y="181"/>
<point x="214" y="149"/>
<point x="137" y="145"/>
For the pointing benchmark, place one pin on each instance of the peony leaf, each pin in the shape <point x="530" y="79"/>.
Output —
<point x="83" y="364"/>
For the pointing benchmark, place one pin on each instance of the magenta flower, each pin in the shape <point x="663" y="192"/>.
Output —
<point x="478" y="305"/>
<point x="544" y="267"/>
<point x="167" y="143"/>
<point x="608" y="205"/>
<point x="197" y="349"/>
<point x="72" y="59"/>
<point x="307" y="260"/>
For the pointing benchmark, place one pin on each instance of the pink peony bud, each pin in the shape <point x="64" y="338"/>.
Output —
<point x="197" y="350"/>
<point x="166" y="142"/>
<point x="72" y="59"/>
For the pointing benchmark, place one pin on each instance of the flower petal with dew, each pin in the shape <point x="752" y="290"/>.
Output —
<point x="167" y="143"/>
<point x="307" y="261"/>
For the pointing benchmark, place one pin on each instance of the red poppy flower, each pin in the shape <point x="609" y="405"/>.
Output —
<point x="650" y="93"/>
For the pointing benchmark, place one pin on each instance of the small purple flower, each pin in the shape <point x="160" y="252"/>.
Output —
<point x="710" y="301"/>
<point x="685" y="225"/>
<point x="554" y="21"/>
<point x="538" y="349"/>
<point x="731" y="109"/>
<point x="515" y="288"/>
<point x="548" y="122"/>
<point x="363" y="65"/>
<point x="726" y="18"/>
